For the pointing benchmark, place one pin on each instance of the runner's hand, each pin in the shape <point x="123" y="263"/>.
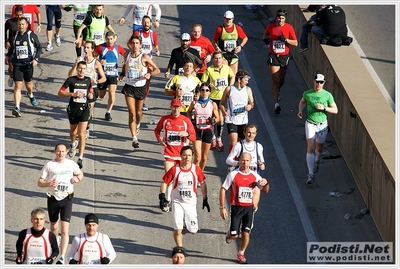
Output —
<point x="162" y="199"/>
<point x="73" y="261"/>
<point x="105" y="260"/>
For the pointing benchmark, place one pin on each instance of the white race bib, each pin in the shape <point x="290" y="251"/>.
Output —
<point x="22" y="52"/>
<point x="173" y="138"/>
<point x="229" y="45"/>
<point x="245" y="195"/>
<point x="278" y="46"/>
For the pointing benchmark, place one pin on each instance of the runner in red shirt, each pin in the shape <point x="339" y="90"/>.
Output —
<point x="178" y="129"/>
<point x="203" y="45"/>
<point x="29" y="12"/>
<point x="226" y="39"/>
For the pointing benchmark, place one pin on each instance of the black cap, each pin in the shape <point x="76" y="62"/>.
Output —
<point x="91" y="218"/>
<point x="178" y="250"/>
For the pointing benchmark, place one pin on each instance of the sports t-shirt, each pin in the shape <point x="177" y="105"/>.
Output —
<point x="237" y="101"/>
<point x="241" y="187"/>
<point x="75" y="84"/>
<point x="219" y="78"/>
<point x="204" y="46"/>
<point x="188" y="85"/>
<point x="274" y="31"/>
<point x="110" y="54"/>
<point x="63" y="173"/>
<point x="312" y="98"/>
<point x="36" y="248"/>
<point x="184" y="183"/>
<point x="171" y="127"/>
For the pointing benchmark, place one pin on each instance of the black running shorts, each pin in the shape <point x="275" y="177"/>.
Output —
<point x="278" y="60"/>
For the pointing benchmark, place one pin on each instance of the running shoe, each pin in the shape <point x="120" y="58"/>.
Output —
<point x="303" y="50"/>
<point x="87" y="132"/>
<point x="59" y="241"/>
<point x="316" y="167"/>
<point x="241" y="259"/>
<point x="107" y="116"/>
<point x="144" y="107"/>
<point x="49" y="47"/>
<point x="32" y="99"/>
<point x="16" y="112"/>
<point x="80" y="163"/>
<point x="277" y="109"/>
<point x="135" y="143"/>
<point x="213" y="143"/>
<point x="310" y="179"/>
<point x="220" y="145"/>
<point x="10" y="82"/>
<point x="60" y="260"/>
<point x="228" y="239"/>
<point x="72" y="149"/>
<point x="58" y="40"/>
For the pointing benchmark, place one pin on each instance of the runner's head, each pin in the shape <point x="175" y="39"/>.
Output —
<point x="228" y="18"/>
<point x="110" y="38"/>
<point x="196" y="30"/>
<point x="38" y="218"/>
<point x="185" y="41"/>
<point x="176" y="107"/>
<point x="91" y="224"/>
<point x="146" y="22"/>
<point x="178" y="255"/>
<point x="281" y="16"/>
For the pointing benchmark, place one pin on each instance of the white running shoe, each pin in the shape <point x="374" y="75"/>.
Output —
<point x="49" y="47"/>
<point x="72" y="149"/>
<point x="10" y="82"/>
<point x="58" y="40"/>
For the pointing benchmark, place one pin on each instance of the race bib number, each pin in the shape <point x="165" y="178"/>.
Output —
<point x="202" y="122"/>
<point x="221" y="83"/>
<point x="98" y="38"/>
<point x="133" y="74"/>
<point x="173" y="138"/>
<point x="322" y="129"/>
<point x="28" y="16"/>
<point x="110" y="69"/>
<point x="278" y="46"/>
<point x="229" y="45"/>
<point x="62" y="187"/>
<point x="238" y="110"/>
<point x="33" y="260"/>
<point x="245" y="195"/>
<point x="80" y="16"/>
<point x="80" y="99"/>
<point x="185" y="192"/>
<point x="22" y="52"/>
<point x="139" y="14"/>
<point x="146" y="47"/>
<point x="187" y="98"/>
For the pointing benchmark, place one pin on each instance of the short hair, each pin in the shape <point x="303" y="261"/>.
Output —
<point x="37" y="211"/>
<point x="187" y="61"/>
<point x="241" y="74"/>
<point x="281" y="12"/>
<point x="18" y="9"/>
<point x="110" y="33"/>
<point x="186" y="148"/>
<point x="23" y="19"/>
<point x="82" y="63"/>
<point x="146" y="17"/>
<point x="250" y="125"/>
<point x="196" y="25"/>
<point x="138" y="37"/>
<point x="216" y="52"/>
<point x="59" y="144"/>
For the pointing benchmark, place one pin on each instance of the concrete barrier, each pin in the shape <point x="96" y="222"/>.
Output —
<point x="364" y="128"/>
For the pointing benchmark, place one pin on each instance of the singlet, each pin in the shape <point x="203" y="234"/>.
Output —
<point x="202" y="115"/>
<point x="96" y="29"/>
<point x="111" y="57"/>
<point x="227" y="41"/>
<point x="91" y="71"/>
<point x="23" y="49"/>
<point x="237" y="101"/>
<point x="36" y="249"/>
<point x="147" y="43"/>
<point x="185" y="183"/>
<point x="139" y="11"/>
<point x="136" y="71"/>
<point x="91" y="252"/>
<point x="80" y="12"/>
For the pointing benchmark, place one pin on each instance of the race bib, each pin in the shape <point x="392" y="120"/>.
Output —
<point x="28" y="16"/>
<point x="202" y="122"/>
<point x="322" y="129"/>
<point x="245" y="195"/>
<point x="173" y="138"/>
<point x="22" y="52"/>
<point x="221" y="83"/>
<point x="229" y="45"/>
<point x="139" y="14"/>
<point x="133" y="74"/>
<point x="80" y="99"/>
<point x="146" y="47"/>
<point x="185" y="192"/>
<point x="80" y="16"/>
<point x="278" y="46"/>
<point x="98" y="38"/>
<point x="187" y="98"/>
<point x="110" y="69"/>
<point x="33" y="260"/>
<point x="197" y="48"/>
<point x="238" y="110"/>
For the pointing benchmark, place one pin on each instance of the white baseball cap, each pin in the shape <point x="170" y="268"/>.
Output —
<point x="229" y="14"/>
<point x="185" y="36"/>
<point x="319" y="77"/>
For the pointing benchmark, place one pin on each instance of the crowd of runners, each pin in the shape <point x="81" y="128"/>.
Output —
<point x="209" y="94"/>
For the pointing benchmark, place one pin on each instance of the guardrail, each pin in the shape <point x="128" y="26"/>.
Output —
<point x="364" y="128"/>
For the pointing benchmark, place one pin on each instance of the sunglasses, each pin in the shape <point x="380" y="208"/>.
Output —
<point x="320" y="82"/>
<point x="205" y="90"/>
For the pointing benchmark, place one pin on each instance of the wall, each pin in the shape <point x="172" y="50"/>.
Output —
<point x="364" y="128"/>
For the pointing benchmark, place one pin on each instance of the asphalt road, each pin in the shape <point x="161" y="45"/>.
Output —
<point x="122" y="186"/>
